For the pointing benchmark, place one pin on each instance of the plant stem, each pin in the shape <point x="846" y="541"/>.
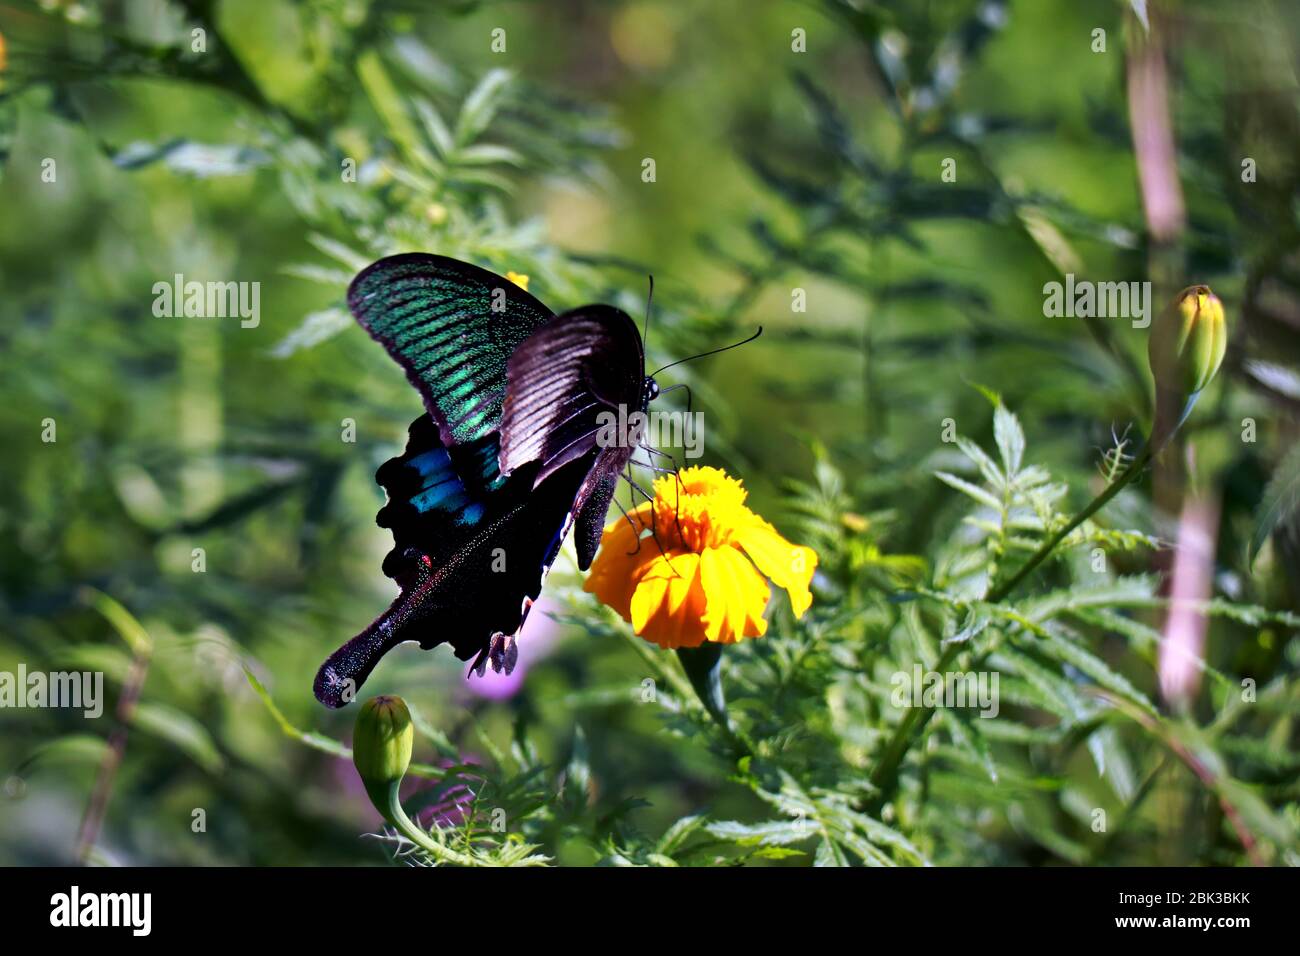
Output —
<point x="390" y="804"/>
<point x="737" y="739"/>
<point x="740" y="744"/>
<point x="1048" y="546"/>
<point x="93" y="820"/>
<point x="1212" y="777"/>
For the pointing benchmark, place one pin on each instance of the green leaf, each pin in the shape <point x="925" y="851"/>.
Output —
<point x="127" y="627"/>
<point x="1280" y="502"/>
<point x="967" y="735"/>
<point x="775" y="853"/>
<point x="829" y="854"/>
<point x="1139" y="8"/>
<point x="200" y="160"/>
<point x="388" y="104"/>
<point x="1076" y="655"/>
<point x="1124" y="590"/>
<point x="316" y="328"/>
<point x="484" y="177"/>
<point x="181" y="730"/>
<point x="111" y="660"/>
<point x="1010" y="439"/>
<point x="317" y="273"/>
<point x="311" y="739"/>
<point x="480" y="106"/>
<point x="1280" y="378"/>
<point x="355" y="261"/>
<point x="436" y="129"/>
<point x="771" y="833"/>
<point x="1057" y="695"/>
<point x="679" y="833"/>
<point x="577" y="774"/>
<point x="70" y="749"/>
<point x="1112" y="761"/>
<point x="973" y="491"/>
<point x="483" y="154"/>
<point x="992" y="474"/>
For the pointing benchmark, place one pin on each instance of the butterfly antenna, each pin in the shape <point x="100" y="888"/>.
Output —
<point x="650" y="296"/>
<point x="692" y="358"/>
<point x="676" y="470"/>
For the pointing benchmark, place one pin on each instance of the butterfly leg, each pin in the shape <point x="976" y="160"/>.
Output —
<point x="675" y="471"/>
<point x="690" y="396"/>
<point x="635" y="529"/>
<point x="654" y="525"/>
<point x="651" y="450"/>
<point x="627" y="476"/>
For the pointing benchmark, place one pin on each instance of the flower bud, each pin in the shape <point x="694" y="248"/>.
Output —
<point x="382" y="741"/>
<point x="1187" y="342"/>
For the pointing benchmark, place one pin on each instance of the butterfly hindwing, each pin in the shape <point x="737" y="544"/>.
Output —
<point x="437" y="496"/>
<point x="471" y="550"/>
<point x="453" y="327"/>
<point x="591" y="510"/>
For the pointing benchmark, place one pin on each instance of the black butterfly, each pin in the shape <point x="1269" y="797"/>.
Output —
<point x="505" y="460"/>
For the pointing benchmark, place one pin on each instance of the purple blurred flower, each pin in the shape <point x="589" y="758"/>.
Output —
<point x="447" y="801"/>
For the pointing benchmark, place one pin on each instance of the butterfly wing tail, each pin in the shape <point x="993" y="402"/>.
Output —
<point x="341" y="676"/>
<point x="344" y="671"/>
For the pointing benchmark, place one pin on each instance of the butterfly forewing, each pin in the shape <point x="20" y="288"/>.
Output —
<point x="453" y="327"/>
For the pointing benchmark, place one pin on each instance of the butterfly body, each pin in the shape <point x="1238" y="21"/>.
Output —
<point x="505" y="461"/>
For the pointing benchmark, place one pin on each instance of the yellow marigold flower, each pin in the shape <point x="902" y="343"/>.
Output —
<point x="708" y="583"/>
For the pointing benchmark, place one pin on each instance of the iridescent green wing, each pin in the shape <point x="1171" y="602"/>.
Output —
<point x="453" y="327"/>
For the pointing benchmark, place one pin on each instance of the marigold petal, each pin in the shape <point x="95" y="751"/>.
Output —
<point x="647" y="598"/>
<point x="737" y="596"/>
<point x="669" y="603"/>
<point x="620" y="563"/>
<point x="789" y="566"/>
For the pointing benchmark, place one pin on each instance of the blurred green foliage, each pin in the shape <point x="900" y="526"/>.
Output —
<point x="778" y="172"/>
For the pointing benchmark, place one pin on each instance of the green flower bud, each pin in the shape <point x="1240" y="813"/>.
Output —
<point x="1187" y="342"/>
<point x="382" y="741"/>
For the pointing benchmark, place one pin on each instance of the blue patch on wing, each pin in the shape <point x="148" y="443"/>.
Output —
<point x="441" y="489"/>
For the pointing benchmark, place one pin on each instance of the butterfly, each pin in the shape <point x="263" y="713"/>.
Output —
<point x="504" y="462"/>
